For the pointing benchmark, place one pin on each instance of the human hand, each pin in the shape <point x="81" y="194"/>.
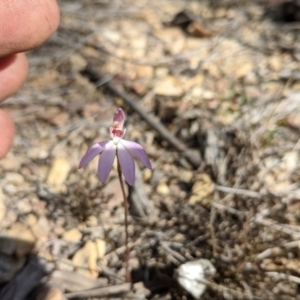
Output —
<point x="24" y="25"/>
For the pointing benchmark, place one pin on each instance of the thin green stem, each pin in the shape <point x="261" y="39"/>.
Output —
<point x="127" y="273"/>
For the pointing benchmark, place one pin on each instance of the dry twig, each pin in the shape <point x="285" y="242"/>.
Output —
<point x="101" y="292"/>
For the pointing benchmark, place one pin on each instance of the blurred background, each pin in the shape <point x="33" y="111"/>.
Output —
<point x="222" y="78"/>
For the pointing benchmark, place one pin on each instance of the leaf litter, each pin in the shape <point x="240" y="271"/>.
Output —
<point x="220" y="79"/>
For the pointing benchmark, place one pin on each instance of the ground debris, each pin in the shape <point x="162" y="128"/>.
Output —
<point x="211" y="90"/>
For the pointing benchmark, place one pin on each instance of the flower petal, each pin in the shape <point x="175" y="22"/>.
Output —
<point x="138" y="152"/>
<point x="90" y="154"/>
<point x="106" y="161"/>
<point x="127" y="164"/>
<point x="119" y="117"/>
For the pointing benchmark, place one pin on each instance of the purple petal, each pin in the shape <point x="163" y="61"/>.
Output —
<point x="91" y="153"/>
<point x="127" y="164"/>
<point x="106" y="161"/>
<point x="138" y="152"/>
<point x="119" y="117"/>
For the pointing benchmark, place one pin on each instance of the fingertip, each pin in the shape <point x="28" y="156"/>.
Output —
<point x="13" y="73"/>
<point x="25" y="25"/>
<point x="7" y="133"/>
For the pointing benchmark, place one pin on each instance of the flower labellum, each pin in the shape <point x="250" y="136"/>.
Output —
<point x="125" y="151"/>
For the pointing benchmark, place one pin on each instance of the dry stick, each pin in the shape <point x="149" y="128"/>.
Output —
<point x="284" y="276"/>
<point x="127" y="274"/>
<point x="178" y="257"/>
<point x="243" y="192"/>
<point x="192" y="156"/>
<point x="225" y="290"/>
<point x="100" y="292"/>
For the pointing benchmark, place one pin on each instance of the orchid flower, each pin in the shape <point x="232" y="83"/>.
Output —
<point x="125" y="151"/>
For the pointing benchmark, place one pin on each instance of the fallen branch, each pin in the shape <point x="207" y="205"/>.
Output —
<point x="101" y="292"/>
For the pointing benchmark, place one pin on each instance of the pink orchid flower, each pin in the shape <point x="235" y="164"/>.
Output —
<point x="125" y="151"/>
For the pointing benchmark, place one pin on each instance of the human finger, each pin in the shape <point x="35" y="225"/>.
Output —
<point x="26" y="24"/>
<point x="13" y="72"/>
<point x="7" y="133"/>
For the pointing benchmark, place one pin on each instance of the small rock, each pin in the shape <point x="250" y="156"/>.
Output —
<point x="161" y="72"/>
<point x="72" y="235"/>
<point x="255" y="12"/>
<point x="190" y="274"/>
<point x="18" y="240"/>
<point x="173" y="37"/>
<point x="163" y="189"/>
<point x="77" y="61"/>
<point x="59" y="119"/>
<point x="294" y="120"/>
<point x="268" y="265"/>
<point x="50" y="293"/>
<point x="139" y="87"/>
<point x="24" y="206"/>
<point x="112" y="36"/>
<point x="288" y="74"/>
<point x="14" y="178"/>
<point x="186" y="176"/>
<point x="45" y="79"/>
<point x="243" y="69"/>
<point x="275" y="62"/>
<point x="85" y="260"/>
<point x="2" y="206"/>
<point x="37" y="153"/>
<point x="147" y="173"/>
<point x="58" y="231"/>
<point x="200" y="30"/>
<point x="40" y="235"/>
<point x="101" y="247"/>
<point x="202" y="190"/>
<point x="91" y="109"/>
<point x="169" y="86"/>
<point x="10" y="189"/>
<point x="44" y="224"/>
<point x="200" y="93"/>
<point x="31" y="219"/>
<point x="10" y="218"/>
<point x="179" y="238"/>
<point x="59" y="172"/>
<point x="144" y="72"/>
<point x="11" y="162"/>
<point x="291" y="160"/>
<point x="140" y="289"/>
<point x="64" y="265"/>
<point x="92" y="221"/>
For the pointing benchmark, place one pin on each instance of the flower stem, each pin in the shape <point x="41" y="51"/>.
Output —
<point x="127" y="273"/>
